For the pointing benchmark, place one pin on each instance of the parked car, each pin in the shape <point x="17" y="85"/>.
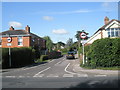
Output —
<point x="70" y="55"/>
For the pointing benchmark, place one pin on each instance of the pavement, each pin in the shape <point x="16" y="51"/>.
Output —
<point x="77" y="69"/>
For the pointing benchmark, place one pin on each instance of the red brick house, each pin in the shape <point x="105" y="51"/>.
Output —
<point x="21" y="38"/>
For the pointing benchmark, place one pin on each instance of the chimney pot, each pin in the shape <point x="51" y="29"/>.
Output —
<point x="106" y="20"/>
<point x="27" y="28"/>
<point x="11" y="28"/>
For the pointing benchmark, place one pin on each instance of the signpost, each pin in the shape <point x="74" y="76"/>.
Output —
<point x="83" y="35"/>
<point x="9" y="39"/>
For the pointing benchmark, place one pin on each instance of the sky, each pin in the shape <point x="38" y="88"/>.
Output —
<point x="59" y="20"/>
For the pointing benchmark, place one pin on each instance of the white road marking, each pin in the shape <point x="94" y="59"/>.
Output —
<point x="68" y="71"/>
<point x="100" y="75"/>
<point x="30" y="67"/>
<point x="82" y="75"/>
<point x="51" y="61"/>
<point x="41" y="75"/>
<point x="93" y="82"/>
<point x="68" y="75"/>
<point x="63" y="58"/>
<point x="21" y="76"/>
<point x="58" y="63"/>
<point x="42" y="71"/>
<point x="52" y="75"/>
<point x="10" y="76"/>
<point x="27" y="76"/>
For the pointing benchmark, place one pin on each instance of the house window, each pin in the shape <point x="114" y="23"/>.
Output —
<point x="116" y="33"/>
<point x="0" y="42"/>
<point x="20" y="41"/>
<point x="113" y="32"/>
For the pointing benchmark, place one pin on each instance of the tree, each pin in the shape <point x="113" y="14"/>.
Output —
<point x="69" y="42"/>
<point x="60" y="44"/>
<point x="49" y="43"/>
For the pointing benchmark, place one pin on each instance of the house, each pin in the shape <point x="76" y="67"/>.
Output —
<point x="21" y="38"/>
<point x="110" y="29"/>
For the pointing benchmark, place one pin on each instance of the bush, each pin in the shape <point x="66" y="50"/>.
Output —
<point x="104" y="53"/>
<point x="54" y="55"/>
<point x="64" y="51"/>
<point x="19" y="57"/>
<point x="43" y="57"/>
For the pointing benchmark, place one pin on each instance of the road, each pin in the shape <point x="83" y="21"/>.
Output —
<point x="58" y="73"/>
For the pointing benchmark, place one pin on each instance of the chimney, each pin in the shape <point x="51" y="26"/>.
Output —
<point x="27" y="28"/>
<point x="106" y="20"/>
<point x="11" y="28"/>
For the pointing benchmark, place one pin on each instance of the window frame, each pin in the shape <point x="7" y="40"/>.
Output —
<point x="20" y="40"/>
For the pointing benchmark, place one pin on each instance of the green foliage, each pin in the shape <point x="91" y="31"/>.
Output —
<point x="104" y="53"/>
<point x="43" y="57"/>
<point x="49" y="43"/>
<point x="37" y="51"/>
<point x="19" y="57"/>
<point x="54" y="55"/>
<point x="64" y="51"/>
<point x="57" y="46"/>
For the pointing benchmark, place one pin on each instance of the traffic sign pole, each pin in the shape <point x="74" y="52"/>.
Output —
<point x="83" y="35"/>
<point x="9" y="57"/>
<point x="9" y="39"/>
<point x="83" y="54"/>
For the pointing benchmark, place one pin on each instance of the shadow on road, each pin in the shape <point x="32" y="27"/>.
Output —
<point x="114" y="84"/>
<point x="110" y="85"/>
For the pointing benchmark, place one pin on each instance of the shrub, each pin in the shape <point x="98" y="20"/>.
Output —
<point x="54" y="55"/>
<point x="19" y="57"/>
<point x="43" y="57"/>
<point x="104" y="53"/>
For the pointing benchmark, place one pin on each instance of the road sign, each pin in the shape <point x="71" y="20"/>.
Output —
<point x="9" y="39"/>
<point x="83" y="35"/>
<point x="9" y="44"/>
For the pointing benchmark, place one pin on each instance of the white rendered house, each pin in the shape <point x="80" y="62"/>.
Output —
<point x="109" y="29"/>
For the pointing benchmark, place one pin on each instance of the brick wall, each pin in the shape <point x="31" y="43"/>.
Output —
<point x="14" y="42"/>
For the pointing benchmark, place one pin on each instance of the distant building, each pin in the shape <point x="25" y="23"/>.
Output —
<point x="110" y="29"/>
<point x="21" y="38"/>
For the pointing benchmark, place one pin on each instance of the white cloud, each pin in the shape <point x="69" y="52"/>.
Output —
<point x="72" y="12"/>
<point x="61" y="13"/>
<point x="105" y="4"/>
<point x="109" y="7"/>
<point x="15" y="24"/>
<point x="48" y="18"/>
<point x="60" y="31"/>
<point x="82" y="11"/>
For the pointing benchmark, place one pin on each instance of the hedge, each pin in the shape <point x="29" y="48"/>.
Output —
<point x="19" y="57"/>
<point x="43" y="57"/>
<point x="104" y="53"/>
<point x="54" y="55"/>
